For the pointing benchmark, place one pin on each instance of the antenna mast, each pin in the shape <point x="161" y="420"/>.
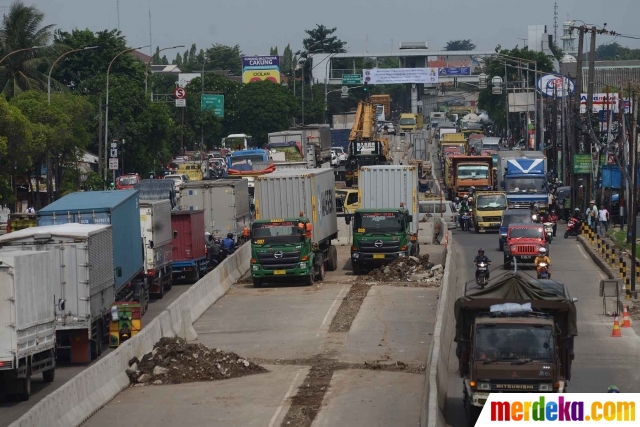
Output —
<point x="555" y="22"/>
<point x="118" y="12"/>
<point x="150" y="38"/>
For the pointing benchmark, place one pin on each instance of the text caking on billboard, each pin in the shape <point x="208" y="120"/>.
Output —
<point x="259" y="68"/>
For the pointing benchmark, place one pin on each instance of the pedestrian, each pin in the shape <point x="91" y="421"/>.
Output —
<point x="566" y="206"/>
<point x="592" y="216"/>
<point x="603" y="216"/>
<point x="31" y="210"/>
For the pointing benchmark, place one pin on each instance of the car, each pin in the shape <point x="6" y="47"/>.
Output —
<point x="524" y="243"/>
<point x="178" y="179"/>
<point x="334" y="159"/>
<point x="428" y="209"/>
<point x="342" y="156"/>
<point x="509" y="217"/>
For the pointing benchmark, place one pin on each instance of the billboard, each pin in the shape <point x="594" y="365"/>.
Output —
<point x="553" y="84"/>
<point x="387" y="76"/>
<point x="259" y="68"/>
<point x="603" y="101"/>
<point x="454" y="71"/>
<point x="185" y="78"/>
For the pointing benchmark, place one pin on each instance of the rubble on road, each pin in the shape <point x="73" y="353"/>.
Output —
<point x="411" y="269"/>
<point x="174" y="361"/>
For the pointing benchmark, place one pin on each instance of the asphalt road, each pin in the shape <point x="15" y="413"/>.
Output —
<point x="600" y="360"/>
<point x="12" y="410"/>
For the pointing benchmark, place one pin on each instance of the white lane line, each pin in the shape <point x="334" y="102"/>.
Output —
<point x="584" y="254"/>
<point x="326" y="316"/>
<point x="286" y="398"/>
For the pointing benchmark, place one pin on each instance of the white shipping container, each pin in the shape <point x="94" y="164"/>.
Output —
<point x="225" y="203"/>
<point x="287" y="193"/>
<point x="83" y="273"/>
<point x="386" y="186"/>
<point x="27" y="318"/>
<point x="155" y="225"/>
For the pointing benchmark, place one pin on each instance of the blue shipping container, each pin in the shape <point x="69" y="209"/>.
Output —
<point x="340" y="138"/>
<point x="120" y="209"/>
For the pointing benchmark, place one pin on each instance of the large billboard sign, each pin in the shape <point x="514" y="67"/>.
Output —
<point x="604" y="101"/>
<point x="388" y="76"/>
<point x="259" y="68"/>
<point x="555" y="85"/>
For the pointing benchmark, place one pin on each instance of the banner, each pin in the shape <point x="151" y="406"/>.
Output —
<point x="388" y="76"/>
<point x="602" y="101"/>
<point x="454" y="71"/>
<point x="553" y="84"/>
<point x="258" y="68"/>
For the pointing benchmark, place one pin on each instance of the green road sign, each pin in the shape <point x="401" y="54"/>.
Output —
<point x="351" y="79"/>
<point x="582" y="163"/>
<point x="214" y="103"/>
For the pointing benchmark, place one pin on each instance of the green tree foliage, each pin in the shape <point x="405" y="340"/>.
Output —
<point x="221" y="57"/>
<point x="614" y="51"/>
<point x="286" y="66"/>
<point x="466" y="44"/>
<point x="320" y="39"/>
<point x="16" y="144"/>
<point x="273" y="51"/>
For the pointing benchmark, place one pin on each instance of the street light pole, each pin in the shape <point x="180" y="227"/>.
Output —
<point x="56" y="61"/>
<point x="20" y="50"/>
<point x="146" y="70"/>
<point x="106" y="114"/>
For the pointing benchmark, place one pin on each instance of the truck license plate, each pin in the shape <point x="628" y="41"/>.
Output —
<point x="280" y="272"/>
<point x="378" y="255"/>
<point x="525" y="257"/>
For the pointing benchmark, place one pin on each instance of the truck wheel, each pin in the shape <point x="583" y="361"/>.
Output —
<point x="257" y="283"/>
<point x="321" y="272"/>
<point x="332" y="259"/>
<point x="26" y="386"/>
<point x="49" y="375"/>
<point x="160" y="293"/>
<point x="169" y="281"/>
<point x="473" y="413"/>
<point x="308" y="281"/>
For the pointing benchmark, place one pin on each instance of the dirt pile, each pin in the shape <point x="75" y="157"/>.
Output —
<point x="411" y="269"/>
<point x="174" y="361"/>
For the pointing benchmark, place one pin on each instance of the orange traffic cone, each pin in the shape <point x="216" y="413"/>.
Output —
<point x="616" y="328"/>
<point x="626" y="320"/>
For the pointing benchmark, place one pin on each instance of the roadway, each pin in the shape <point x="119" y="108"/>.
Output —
<point x="12" y="410"/>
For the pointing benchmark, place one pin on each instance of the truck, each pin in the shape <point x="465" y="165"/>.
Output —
<point x="385" y="102"/>
<point x="189" y="255"/>
<point x="155" y="218"/>
<point x="83" y="290"/>
<point x="157" y="189"/>
<point x="340" y="138"/>
<point x="410" y="122"/>
<point x="317" y="143"/>
<point x="296" y="221"/>
<point x="288" y="146"/>
<point x="225" y="203"/>
<point x="242" y="161"/>
<point x="121" y="210"/>
<point x="343" y="120"/>
<point x="127" y="181"/>
<point x="386" y="227"/>
<point x="464" y="172"/>
<point x="193" y="170"/>
<point x="488" y="209"/>
<point x="27" y="320"/>
<point x="515" y="335"/>
<point x="236" y="142"/>
<point x="364" y="153"/>
<point x="523" y="175"/>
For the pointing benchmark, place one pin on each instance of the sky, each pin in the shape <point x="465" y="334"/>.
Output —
<point x="373" y="26"/>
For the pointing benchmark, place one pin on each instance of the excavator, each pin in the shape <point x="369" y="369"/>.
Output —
<point x="365" y="146"/>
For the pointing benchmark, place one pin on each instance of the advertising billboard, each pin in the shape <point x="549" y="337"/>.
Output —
<point x="454" y="71"/>
<point x="387" y="76"/>
<point x="603" y="101"/>
<point x="259" y="68"/>
<point x="555" y="85"/>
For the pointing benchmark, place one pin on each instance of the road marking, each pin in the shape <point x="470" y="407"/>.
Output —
<point x="326" y="316"/>
<point x="286" y="397"/>
<point x="584" y="254"/>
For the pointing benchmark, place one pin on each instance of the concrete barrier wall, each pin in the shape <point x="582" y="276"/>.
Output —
<point x="87" y="392"/>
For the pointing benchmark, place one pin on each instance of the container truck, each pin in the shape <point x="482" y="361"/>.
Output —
<point x="83" y="289"/>
<point x="410" y="122"/>
<point x="157" y="189"/>
<point x="317" y="143"/>
<point x="27" y="320"/>
<point x="340" y="138"/>
<point x="295" y="222"/>
<point x="514" y="336"/>
<point x="287" y="146"/>
<point x="189" y="256"/>
<point x="464" y="172"/>
<point x="523" y="175"/>
<point x="155" y="221"/>
<point x="121" y="210"/>
<point x="225" y="203"/>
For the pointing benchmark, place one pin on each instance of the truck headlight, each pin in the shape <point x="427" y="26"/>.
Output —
<point x="303" y="265"/>
<point x="513" y="248"/>
<point x="355" y="255"/>
<point x="546" y="387"/>
<point x="255" y="267"/>
<point x="484" y="386"/>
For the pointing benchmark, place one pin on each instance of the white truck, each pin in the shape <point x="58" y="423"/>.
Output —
<point x="155" y="225"/>
<point x="27" y="320"/>
<point x="83" y="287"/>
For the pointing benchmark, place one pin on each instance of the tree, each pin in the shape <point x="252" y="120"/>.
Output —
<point x="22" y="28"/>
<point x="15" y="148"/>
<point x="286" y="66"/>
<point x="466" y="44"/>
<point x="321" y="39"/>
<point x="614" y="51"/>
<point x="221" y="57"/>
<point x="273" y="51"/>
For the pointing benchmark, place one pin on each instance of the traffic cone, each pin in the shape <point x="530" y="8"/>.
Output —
<point x="616" y="328"/>
<point x="626" y="320"/>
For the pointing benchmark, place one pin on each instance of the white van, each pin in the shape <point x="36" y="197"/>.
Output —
<point x="428" y="209"/>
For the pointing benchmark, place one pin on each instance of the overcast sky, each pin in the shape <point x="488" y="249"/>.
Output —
<point x="374" y="25"/>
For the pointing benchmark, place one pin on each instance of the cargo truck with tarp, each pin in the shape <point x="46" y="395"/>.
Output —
<point x="514" y="336"/>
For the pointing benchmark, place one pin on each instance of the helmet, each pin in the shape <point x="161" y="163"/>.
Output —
<point x="553" y="211"/>
<point x="480" y="251"/>
<point x="613" y="389"/>
<point x="457" y="199"/>
<point x="466" y="196"/>
<point x="472" y="188"/>
<point x="576" y="210"/>
<point x="470" y="199"/>
<point x="230" y="236"/>
<point x="543" y="251"/>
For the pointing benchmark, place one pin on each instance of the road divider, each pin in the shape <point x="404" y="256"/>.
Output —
<point x="83" y="395"/>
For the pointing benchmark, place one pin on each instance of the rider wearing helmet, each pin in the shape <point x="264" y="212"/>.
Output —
<point x="456" y="203"/>
<point x="553" y="217"/>
<point x="481" y="257"/>
<point x="613" y="389"/>
<point x="463" y="209"/>
<point x="542" y="257"/>
<point x="228" y="243"/>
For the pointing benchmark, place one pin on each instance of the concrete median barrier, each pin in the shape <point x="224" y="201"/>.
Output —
<point x="83" y="395"/>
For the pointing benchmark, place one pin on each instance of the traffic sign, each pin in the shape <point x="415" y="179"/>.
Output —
<point x="351" y="79"/>
<point x="181" y="102"/>
<point x="114" y="153"/>
<point x="180" y="93"/>
<point x="84" y="177"/>
<point x="344" y="89"/>
<point x="113" y="164"/>
<point x="344" y="95"/>
<point x="114" y="144"/>
<point x="213" y="103"/>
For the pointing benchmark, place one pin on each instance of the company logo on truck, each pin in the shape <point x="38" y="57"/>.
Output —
<point x="328" y="203"/>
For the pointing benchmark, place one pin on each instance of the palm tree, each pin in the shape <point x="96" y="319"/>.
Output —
<point x="20" y="29"/>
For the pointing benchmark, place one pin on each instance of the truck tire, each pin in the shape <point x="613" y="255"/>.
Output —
<point x="25" y="394"/>
<point x="332" y="259"/>
<point x="160" y="293"/>
<point x="257" y="283"/>
<point x="49" y="375"/>
<point x="321" y="272"/>
<point x="169" y="281"/>
<point x="308" y="281"/>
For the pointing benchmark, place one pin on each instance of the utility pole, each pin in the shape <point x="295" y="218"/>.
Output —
<point x="576" y="106"/>
<point x="100" y="157"/>
<point x="590" y="86"/>
<point x="633" y="155"/>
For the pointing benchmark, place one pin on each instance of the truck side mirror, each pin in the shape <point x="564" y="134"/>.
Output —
<point x="410" y="218"/>
<point x="347" y="219"/>
<point x="150" y="244"/>
<point x="175" y="234"/>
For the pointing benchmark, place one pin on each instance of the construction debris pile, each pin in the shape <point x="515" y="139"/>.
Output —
<point x="174" y="361"/>
<point x="411" y="269"/>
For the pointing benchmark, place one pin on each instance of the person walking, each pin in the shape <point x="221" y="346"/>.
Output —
<point x="603" y="217"/>
<point x="592" y="216"/>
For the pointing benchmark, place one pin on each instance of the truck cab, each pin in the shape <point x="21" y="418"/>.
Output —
<point x="524" y="178"/>
<point x="127" y="181"/>
<point x="523" y="244"/>
<point x="488" y="209"/>
<point x="380" y="236"/>
<point x="410" y="122"/>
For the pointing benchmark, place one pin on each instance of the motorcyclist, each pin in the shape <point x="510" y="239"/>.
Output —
<point x="463" y="209"/>
<point x="613" y="389"/>
<point x="215" y="249"/>
<point x="228" y="243"/>
<point x="553" y="217"/>
<point x="471" y="202"/>
<point x="481" y="257"/>
<point x="534" y="210"/>
<point x="456" y="203"/>
<point x="542" y="257"/>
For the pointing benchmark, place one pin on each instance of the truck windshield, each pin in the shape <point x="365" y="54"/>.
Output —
<point x="408" y="121"/>
<point x="491" y="203"/>
<point x="529" y="233"/>
<point x="247" y="158"/>
<point x="473" y="172"/>
<point x="236" y="143"/>
<point x="514" y="342"/>
<point x="127" y="180"/>
<point x="527" y="185"/>
<point x="379" y="221"/>
<point x="289" y="231"/>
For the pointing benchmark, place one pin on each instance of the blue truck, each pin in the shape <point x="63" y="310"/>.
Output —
<point x="242" y="160"/>
<point x="121" y="210"/>
<point x="523" y="176"/>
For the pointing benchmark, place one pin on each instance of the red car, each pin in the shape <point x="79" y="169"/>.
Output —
<point x="523" y="244"/>
<point x="127" y="182"/>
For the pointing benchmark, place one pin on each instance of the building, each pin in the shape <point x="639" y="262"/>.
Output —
<point x="615" y="74"/>
<point x="569" y="46"/>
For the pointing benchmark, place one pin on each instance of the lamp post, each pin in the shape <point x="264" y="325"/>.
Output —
<point x="56" y="61"/>
<point x="106" y="114"/>
<point x="146" y="70"/>
<point x="20" y="50"/>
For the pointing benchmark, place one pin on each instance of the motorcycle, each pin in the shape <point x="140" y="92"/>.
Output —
<point x="548" y="230"/>
<point x="573" y="228"/>
<point x="465" y="221"/>
<point x="543" y="271"/>
<point x="483" y="274"/>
